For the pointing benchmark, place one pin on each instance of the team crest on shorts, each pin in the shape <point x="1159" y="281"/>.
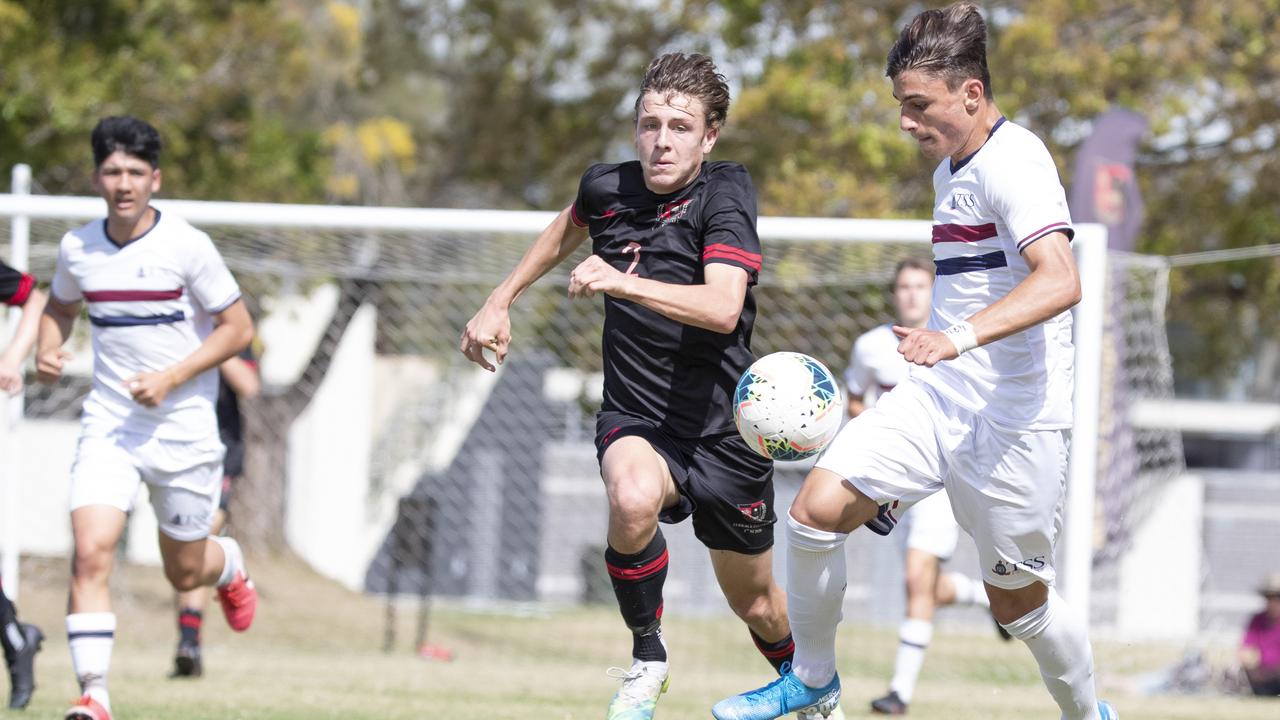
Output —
<point x="754" y="511"/>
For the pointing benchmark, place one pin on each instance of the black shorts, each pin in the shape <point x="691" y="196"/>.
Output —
<point x="727" y="488"/>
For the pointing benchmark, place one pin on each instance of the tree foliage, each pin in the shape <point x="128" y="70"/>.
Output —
<point x="482" y="103"/>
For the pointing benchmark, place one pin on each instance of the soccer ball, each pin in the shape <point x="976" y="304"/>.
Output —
<point x="787" y="406"/>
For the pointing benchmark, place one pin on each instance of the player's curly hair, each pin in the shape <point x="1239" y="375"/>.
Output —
<point x="693" y="75"/>
<point x="122" y="132"/>
<point x="950" y="42"/>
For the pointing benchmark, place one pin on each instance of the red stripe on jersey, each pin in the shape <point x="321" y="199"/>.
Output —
<point x="573" y="216"/>
<point x="23" y="292"/>
<point x="131" y="295"/>
<point x="952" y="232"/>
<point x="728" y="252"/>
<point x="1051" y="226"/>
<point x="642" y="572"/>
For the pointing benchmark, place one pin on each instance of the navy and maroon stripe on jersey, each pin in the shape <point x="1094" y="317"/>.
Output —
<point x="15" y="286"/>
<point x="676" y="375"/>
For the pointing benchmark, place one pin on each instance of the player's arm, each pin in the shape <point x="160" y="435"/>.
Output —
<point x="242" y="377"/>
<point x="55" y="327"/>
<point x="490" y="327"/>
<point x="232" y="333"/>
<point x="23" y="340"/>
<point x="1052" y="287"/>
<point x="714" y="305"/>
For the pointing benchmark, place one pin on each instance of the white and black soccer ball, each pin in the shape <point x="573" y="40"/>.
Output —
<point x="787" y="406"/>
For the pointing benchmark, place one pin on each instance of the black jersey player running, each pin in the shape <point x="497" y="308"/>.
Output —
<point x="675" y="253"/>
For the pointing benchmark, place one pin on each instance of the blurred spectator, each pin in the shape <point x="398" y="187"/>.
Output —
<point x="1260" y="650"/>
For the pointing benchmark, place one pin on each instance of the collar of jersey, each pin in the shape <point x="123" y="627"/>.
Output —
<point x="112" y="240"/>
<point x="956" y="166"/>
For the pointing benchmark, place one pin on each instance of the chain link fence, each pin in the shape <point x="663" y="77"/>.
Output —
<point x="381" y="457"/>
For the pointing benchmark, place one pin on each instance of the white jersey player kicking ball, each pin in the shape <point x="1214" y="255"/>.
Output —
<point x="165" y="313"/>
<point x="987" y="414"/>
<point x="876" y="367"/>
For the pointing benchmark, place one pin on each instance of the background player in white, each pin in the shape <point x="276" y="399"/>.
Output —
<point x="876" y="367"/>
<point x="987" y="416"/>
<point x="165" y="312"/>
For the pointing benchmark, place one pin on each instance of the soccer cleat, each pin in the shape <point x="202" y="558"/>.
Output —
<point x="641" y="687"/>
<point x="888" y="516"/>
<point x="239" y="601"/>
<point x="86" y="708"/>
<point x="1106" y="712"/>
<point x="890" y="704"/>
<point x="187" y="662"/>
<point x="22" y="667"/>
<point x="836" y="714"/>
<point x="781" y="697"/>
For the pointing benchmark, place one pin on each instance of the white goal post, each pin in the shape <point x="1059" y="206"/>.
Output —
<point x="1090" y="245"/>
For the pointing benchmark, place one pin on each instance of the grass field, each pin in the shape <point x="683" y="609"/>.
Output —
<point x="315" y="652"/>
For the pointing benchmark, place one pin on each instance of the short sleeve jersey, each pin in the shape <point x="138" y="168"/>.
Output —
<point x="989" y="209"/>
<point x="15" y="285"/>
<point x="875" y="365"/>
<point x="678" y="376"/>
<point x="150" y="304"/>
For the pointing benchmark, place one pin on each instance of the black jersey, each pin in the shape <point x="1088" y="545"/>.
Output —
<point x="676" y="375"/>
<point x="15" y="286"/>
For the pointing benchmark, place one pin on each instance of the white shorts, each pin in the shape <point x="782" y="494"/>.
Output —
<point x="184" y="479"/>
<point x="932" y="528"/>
<point x="1006" y="486"/>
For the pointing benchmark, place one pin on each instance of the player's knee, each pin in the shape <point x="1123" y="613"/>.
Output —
<point x="754" y="608"/>
<point x="182" y="578"/>
<point x="92" y="560"/>
<point x="920" y="582"/>
<point x="817" y="516"/>
<point x="631" y="503"/>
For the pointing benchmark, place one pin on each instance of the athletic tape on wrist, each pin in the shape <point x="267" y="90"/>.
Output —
<point x="962" y="335"/>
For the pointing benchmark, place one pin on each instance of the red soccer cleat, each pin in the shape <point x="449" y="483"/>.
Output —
<point x="239" y="601"/>
<point x="86" y="708"/>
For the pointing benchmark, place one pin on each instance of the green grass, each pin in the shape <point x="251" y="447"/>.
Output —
<point x="315" y="652"/>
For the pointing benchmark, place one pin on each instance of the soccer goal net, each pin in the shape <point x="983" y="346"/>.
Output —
<point x="382" y="458"/>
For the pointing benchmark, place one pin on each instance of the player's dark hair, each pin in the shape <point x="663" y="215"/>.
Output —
<point x="128" y="134"/>
<point x="693" y="75"/>
<point x="950" y="43"/>
<point x="910" y="263"/>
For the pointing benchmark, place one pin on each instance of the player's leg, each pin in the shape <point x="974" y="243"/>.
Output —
<point x="748" y="586"/>
<point x="187" y="661"/>
<point x="916" y="630"/>
<point x="186" y="485"/>
<point x="889" y="452"/>
<point x="91" y="626"/>
<point x="1007" y="490"/>
<point x="639" y="485"/>
<point x="21" y="642"/>
<point x="104" y="481"/>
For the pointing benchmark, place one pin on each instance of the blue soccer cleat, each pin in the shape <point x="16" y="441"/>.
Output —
<point x="1106" y="712"/>
<point x="780" y="697"/>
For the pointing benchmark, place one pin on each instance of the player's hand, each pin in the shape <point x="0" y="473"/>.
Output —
<point x="150" y="389"/>
<point x="49" y="365"/>
<point x="594" y="275"/>
<point x="10" y="378"/>
<point x="924" y="347"/>
<point x="489" y="329"/>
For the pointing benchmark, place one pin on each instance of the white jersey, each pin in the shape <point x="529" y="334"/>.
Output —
<point x="150" y="304"/>
<point x="875" y="365"/>
<point x="988" y="210"/>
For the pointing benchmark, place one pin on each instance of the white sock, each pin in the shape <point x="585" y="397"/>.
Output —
<point x="913" y="640"/>
<point x="90" y="636"/>
<point x="1060" y="644"/>
<point x="969" y="591"/>
<point x="234" y="558"/>
<point x="816" y="578"/>
<point x="16" y="640"/>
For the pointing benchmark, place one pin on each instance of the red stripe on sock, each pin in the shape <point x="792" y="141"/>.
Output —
<point x="639" y="573"/>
